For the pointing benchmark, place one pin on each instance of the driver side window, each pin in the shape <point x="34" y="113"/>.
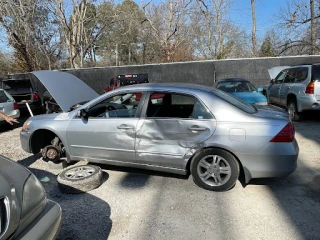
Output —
<point x="119" y="106"/>
<point x="281" y="76"/>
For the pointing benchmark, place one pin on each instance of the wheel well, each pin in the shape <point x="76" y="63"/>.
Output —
<point x="291" y="97"/>
<point x="40" y="139"/>
<point x="241" y="172"/>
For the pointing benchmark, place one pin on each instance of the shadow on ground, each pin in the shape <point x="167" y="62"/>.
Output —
<point x="84" y="216"/>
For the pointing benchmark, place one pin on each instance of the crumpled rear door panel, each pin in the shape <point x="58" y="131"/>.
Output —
<point x="164" y="142"/>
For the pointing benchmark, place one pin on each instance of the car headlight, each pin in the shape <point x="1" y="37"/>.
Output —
<point x="26" y="125"/>
<point x="33" y="196"/>
<point x="261" y="103"/>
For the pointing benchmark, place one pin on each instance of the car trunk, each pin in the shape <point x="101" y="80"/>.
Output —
<point x="20" y="90"/>
<point x="271" y="112"/>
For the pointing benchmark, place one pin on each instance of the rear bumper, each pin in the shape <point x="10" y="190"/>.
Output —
<point x="275" y="160"/>
<point x="308" y="102"/>
<point x="46" y="225"/>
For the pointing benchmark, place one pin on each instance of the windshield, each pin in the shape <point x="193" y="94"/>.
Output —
<point x="235" y="101"/>
<point x="236" y="86"/>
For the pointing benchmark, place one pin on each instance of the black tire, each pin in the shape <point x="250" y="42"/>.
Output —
<point x="293" y="111"/>
<point x="79" y="179"/>
<point x="215" y="161"/>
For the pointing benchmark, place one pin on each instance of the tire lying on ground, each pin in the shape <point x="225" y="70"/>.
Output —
<point x="79" y="179"/>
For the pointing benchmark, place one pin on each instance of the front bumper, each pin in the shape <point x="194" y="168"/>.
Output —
<point x="275" y="160"/>
<point x="46" y="225"/>
<point x="25" y="141"/>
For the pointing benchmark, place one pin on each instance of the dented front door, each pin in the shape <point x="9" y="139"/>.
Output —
<point x="164" y="142"/>
<point x="102" y="139"/>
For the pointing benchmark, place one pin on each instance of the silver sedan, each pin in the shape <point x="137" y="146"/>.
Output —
<point x="177" y="128"/>
<point x="8" y="106"/>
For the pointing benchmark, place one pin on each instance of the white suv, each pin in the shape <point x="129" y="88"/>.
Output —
<point x="296" y="88"/>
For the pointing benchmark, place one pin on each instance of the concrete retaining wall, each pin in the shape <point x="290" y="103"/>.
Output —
<point x="204" y="72"/>
<point x="201" y="72"/>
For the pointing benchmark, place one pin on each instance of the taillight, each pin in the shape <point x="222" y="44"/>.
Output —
<point x="36" y="96"/>
<point x="310" y="88"/>
<point x="285" y="135"/>
<point x="15" y="106"/>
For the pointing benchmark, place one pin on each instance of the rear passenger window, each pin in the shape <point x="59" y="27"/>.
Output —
<point x="291" y="76"/>
<point x="302" y="74"/>
<point x="168" y="105"/>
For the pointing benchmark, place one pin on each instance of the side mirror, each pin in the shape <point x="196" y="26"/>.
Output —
<point x="260" y="89"/>
<point x="82" y="113"/>
<point x="272" y="81"/>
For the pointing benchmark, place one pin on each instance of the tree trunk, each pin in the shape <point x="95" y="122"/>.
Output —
<point x="313" y="35"/>
<point x="254" y="39"/>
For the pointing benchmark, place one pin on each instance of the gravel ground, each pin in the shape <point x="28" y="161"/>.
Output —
<point x="134" y="204"/>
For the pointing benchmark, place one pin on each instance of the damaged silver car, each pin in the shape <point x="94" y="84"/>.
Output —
<point x="176" y="128"/>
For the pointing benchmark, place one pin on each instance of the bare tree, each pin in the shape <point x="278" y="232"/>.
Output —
<point x="298" y="21"/>
<point x="254" y="23"/>
<point x="32" y="33"/>
<point x="168" y="23"/>
<point x="80" y="29"/>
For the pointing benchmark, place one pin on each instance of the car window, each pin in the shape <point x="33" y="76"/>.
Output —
<point x="316" y="72"/>
<point x="302" y="74"/>
<point x="246" y="107"/>
<point x="280" y="77"/>
<point x="290" y="76"/>
<point x="118" y="106"/>
<point x="236" y="86"/>
<point x="175" y="105"/>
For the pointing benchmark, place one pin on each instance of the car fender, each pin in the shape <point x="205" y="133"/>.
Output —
<point x="62" y="138"/>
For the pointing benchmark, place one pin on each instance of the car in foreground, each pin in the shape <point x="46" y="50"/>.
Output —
<point x="25" y="211"/>
<point x="8" y="106"/>
<point x="242" y="89"/>
<point x="296" y="88"/>
<point x="23" y="92"/>
<point x="190" y="128"/>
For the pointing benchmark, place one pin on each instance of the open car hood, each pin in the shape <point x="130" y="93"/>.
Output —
<point x="273" y="72"/>
<point x="66" y="89"/>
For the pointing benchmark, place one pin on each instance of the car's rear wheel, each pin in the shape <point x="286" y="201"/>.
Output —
<point x="293" y="111"/>
<point x="78" y="179"/>
<point x="215" y="169"/>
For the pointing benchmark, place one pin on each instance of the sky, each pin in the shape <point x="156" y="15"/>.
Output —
<point x="266" y="12"/>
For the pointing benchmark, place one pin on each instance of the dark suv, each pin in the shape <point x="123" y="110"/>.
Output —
<point x="21" y="89"/>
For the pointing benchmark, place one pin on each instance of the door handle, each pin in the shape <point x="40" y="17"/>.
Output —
<point x="123" y="126"/>
<point x="197" y="128"/>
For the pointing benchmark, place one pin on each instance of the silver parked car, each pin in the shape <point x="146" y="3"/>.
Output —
<point x="8" y="106"/>
<point x="25" y="212"/>
<point x="296" y="88"/>
<point x="177" y="128"/>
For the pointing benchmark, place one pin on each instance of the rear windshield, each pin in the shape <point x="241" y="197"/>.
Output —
<point x="235" y="101"/>
<point x="16" y="84"/>
<point x="316" y="72"/>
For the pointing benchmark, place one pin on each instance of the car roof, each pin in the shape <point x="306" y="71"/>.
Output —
<point x="168" y="86"/>
<point x="233" y="80"/>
